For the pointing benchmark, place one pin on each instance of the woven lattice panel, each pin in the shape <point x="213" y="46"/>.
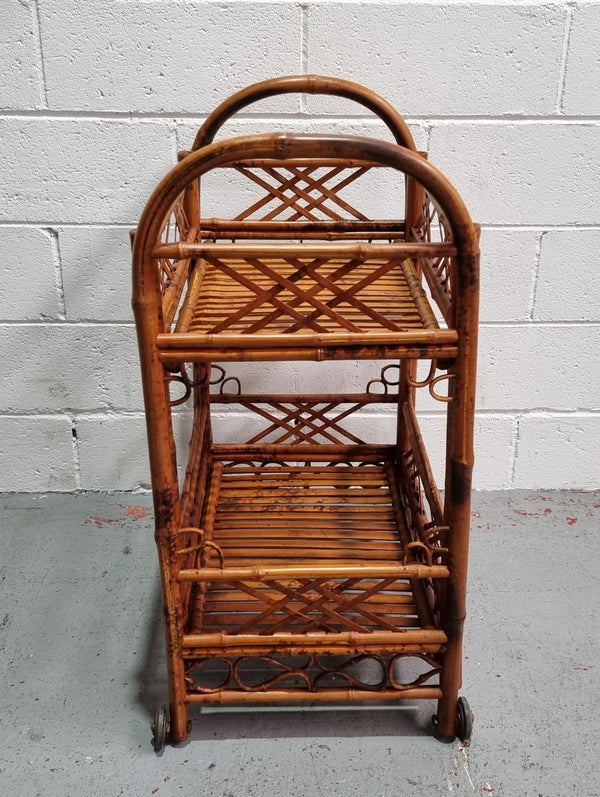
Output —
<point x="296" y="513"/>
<point x="275" y="294"/>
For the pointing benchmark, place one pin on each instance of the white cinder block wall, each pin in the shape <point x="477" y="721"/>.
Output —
<point x="98" y="96"/>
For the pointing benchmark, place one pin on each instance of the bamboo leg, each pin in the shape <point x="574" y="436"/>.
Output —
<point x="165" y="490"/>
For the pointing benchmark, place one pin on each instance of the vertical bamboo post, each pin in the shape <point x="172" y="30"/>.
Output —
<point x="165" y="488"/>
<point x="459" y="468"/>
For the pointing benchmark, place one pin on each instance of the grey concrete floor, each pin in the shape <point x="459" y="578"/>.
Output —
<point x="82" y="669"/>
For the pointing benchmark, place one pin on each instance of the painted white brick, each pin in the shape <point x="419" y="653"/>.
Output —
<point x="493" y="445"/>
<point x="36" y="454"/>
<point x="522" y="173"/>
<point x="582" y="78"/>
<point x="96" y="273"/>
<point x="113" y="450"/>
<point x="558" y="451"/>
<point x="442" y="59"/>
<point x="539" y="367"/>
<point x="75" y="170"/>
<point x="568" y="285"/>
<point x="58" y="366"/>
<point x="507" y="267"/>
<point x="20" y="67"/>
<point x="28" y="288"/>
<point x="167" y="56"/>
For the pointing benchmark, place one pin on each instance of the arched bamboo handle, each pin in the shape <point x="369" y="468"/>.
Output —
<point x="305" y="84"/>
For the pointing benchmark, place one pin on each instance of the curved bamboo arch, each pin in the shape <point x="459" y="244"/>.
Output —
<point x="305" y="84"/>
<point x="286" y="145"/>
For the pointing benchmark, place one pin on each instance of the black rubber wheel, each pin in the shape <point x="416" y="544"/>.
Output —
<point x="160" y="729"/>
<point x="464" y="720"/>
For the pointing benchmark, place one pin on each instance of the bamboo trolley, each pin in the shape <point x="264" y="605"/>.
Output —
<point x="302" y="562"/>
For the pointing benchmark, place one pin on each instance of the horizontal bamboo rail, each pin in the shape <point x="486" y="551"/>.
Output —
<point x="304" y="398"/>
<point x="413" y="570"/>
<point x="316" y="640"/>
<point x="240" y="351"/>
<point x="414" y="336"/>
<point x="303" y="647"/>
<point x="322" y="695"/>
<point x="367" y="452"/>
<point x="359" y="251"/>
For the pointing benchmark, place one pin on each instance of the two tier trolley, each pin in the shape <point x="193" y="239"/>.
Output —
<point x="302" y="556"/>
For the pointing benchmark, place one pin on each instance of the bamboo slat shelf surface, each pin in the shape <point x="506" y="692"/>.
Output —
<point x="300" y="559"/>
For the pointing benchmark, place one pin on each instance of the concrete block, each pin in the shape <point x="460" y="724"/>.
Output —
<point x="507" y="267"/>
<point x="28" y="290"/>
<point x="558" y="452"/>
<point x="582" y="76"/>
<point x="167" y="56"/>
<point x="57" y="366"/>
<point x="568" y="286"/>
<point x="529" y="173"/>
<point x="96" y="273"/>
<point x="21" y="80"/>
<point x="442" y="58"/>
<point x="113" y="450"/>
<point x="538" y="367"/>
<point x="493" y="445"/>
<point x="36" y="454"/>
<point x="76" y="170"/>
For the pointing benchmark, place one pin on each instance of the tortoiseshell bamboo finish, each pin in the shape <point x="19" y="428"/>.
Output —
<point x="303" y="561"/>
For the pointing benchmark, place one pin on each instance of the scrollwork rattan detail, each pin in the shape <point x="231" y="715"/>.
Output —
<point x="383" y="379"/>
<point x="201" y="546"/>
<point x="431" y="380"/>
<point x="368" y="672"/>
<point x="180" y="375"/>
<point x="183" y="378"/>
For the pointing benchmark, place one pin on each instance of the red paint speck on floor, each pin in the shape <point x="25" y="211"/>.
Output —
<point x="138" y="512"/>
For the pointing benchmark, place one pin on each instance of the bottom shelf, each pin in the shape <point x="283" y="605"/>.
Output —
<point x="305" y="556"/>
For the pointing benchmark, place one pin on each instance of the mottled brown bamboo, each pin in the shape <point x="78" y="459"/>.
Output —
<point x="226" y="696"/>
<point x="241" y="353"/>
<point x="360" y="251"/>
<point x="306" y="84"/>
<point x="415" y="570"/>
<point x="315" y="547"/>
<point x="316" y="641"/>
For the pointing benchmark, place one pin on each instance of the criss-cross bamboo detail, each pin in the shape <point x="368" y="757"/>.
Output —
<point x="292" y="185"/>
<point x="308" y="524"/>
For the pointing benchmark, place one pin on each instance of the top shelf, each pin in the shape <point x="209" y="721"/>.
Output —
<point x="303" y="300"/>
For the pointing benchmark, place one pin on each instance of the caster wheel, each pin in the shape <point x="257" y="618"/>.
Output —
<point x="160" y="729"/>
<point x="464" y="723"/>
<point x="464" y="720"/>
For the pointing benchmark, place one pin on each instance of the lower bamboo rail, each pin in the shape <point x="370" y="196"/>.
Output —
<point x="313" y="571"/>
<point x="322" y="696"/>
<point x="317" y="641"/>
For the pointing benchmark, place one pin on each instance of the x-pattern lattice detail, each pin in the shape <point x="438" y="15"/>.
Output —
<point x="317" y="604"/>
<point x="301" y="187"/>
<point x="301" y="296"/>
<point x="305" y="421"/>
